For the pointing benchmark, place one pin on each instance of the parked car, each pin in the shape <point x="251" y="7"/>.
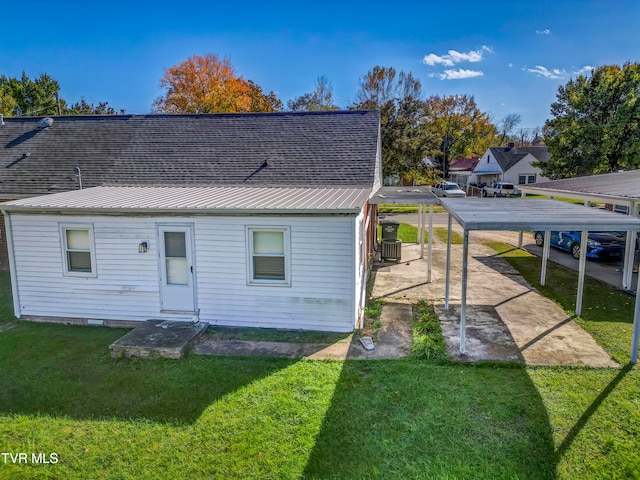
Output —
<point x="448" y="189"/>
<point x="599" y="244"/>
<point x="500" y="189"/>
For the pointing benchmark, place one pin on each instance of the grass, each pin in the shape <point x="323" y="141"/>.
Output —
<point x="406" y="208"/>
<point x="275" y="335"/>
<point x="562" y="199"/>
<point x="224" y="417"/>
<point x="373" y="309"/>
<point x="441" y="233"/>
<point x="6" y="302"/>
<point x="428" y="342"/>
<point x="409" y="234"/>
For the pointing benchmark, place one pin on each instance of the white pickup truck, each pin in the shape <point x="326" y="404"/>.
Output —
<point x="500" y="189"/>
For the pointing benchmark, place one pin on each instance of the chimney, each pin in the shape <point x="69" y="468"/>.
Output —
<point x="1" y="120"/>
<point x="510" y="145"/>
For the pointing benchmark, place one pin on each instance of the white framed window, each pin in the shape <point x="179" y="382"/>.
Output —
<point x="522" y="179"/>
<point x="268" y="256"/>
<point x="78" y="250"/>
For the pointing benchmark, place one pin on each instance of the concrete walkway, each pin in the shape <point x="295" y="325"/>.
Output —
<point x="394" y="341"/>
<point x="507" y="319"/>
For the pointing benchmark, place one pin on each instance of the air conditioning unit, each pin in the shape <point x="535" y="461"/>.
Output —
<point x="391" y="249"/>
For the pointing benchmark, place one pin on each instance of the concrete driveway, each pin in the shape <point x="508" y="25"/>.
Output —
<point x="608" y="271"/>
<point x="506" y="318"/>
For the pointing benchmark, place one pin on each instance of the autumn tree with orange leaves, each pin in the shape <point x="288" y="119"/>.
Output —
<point x="209" y="84"/>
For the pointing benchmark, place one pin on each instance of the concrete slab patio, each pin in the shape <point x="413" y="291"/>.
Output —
<point x="394" y="341"/>
<point x="507" y="319"/>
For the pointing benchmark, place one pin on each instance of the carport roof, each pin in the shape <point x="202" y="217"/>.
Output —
<point x="533" y="214"/>
<point x="413" y="195"/>
<point x="617" y="187"/>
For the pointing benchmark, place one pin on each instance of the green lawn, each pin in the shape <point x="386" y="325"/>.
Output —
<point x="409" y="234"/>
<point x="407" y="208"/>
<point x="222" y="417"/>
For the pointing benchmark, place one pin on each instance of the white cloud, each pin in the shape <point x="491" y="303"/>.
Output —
<point x="433" y="59"/>
<point x="453" y="57"/>
<point x="586" y="70"/>
<point x="459" y="74"/>
<point x="546" y="31"/>
<point x="553" y="74"/>
<point x="509" y="65"/>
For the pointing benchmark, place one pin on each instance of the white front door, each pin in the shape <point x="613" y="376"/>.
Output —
<point x="176" y="268"/>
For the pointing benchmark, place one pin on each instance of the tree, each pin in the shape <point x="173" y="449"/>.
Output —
<point x="406" y="139"/>
<point x="506" y="127"/>
<point x="462" y="129"/>
<point x="261" y="102"/>
<point x="41" y="96"/>
<point x="596" y="124"/>
<point x="29" y="97"/>
<point x="207" y="84"/>
<point x="320" y="99"/>
<point x="84" y="108"/>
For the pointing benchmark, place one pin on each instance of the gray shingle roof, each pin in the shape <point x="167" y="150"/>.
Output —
<point x="319" y="149"/>
<point x="507" y="157"/>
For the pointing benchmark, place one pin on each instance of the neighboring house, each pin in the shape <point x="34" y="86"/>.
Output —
<point x="460" y="170"/>
<point x="247" y="220"/>
<point x="510" y="164"/>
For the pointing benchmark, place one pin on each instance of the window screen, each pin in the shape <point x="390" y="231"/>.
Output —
<point x="78" y="250"/>
<point x="268" y="253"/>
<point x="268" y="256"/>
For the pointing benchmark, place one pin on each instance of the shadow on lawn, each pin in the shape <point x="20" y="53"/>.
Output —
<point x="403" y="419"/>
<point x="583" y="420"/>
<point x="67" y="371"/>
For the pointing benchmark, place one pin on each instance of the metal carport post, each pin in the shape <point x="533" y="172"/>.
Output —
<point x="532" y="214"/>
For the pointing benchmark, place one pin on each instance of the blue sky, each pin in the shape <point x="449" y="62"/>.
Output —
<point x="511" y="55"/>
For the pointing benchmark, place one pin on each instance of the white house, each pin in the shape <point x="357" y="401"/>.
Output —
<point x="510" y="164"/>
<point x="269" y="253"/>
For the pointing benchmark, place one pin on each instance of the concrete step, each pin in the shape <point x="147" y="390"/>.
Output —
<point x="168" y="339"/>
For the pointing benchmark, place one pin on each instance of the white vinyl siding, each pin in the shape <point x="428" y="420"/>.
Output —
<point x="323" y="268"/>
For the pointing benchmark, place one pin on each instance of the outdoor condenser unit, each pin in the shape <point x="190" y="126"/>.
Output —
<point x="391" y="249"/>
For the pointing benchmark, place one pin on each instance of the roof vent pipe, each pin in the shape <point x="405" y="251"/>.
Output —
<point x="1" y="120"/>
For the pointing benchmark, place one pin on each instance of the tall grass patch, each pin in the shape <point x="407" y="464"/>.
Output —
<point x="428" y="342"/>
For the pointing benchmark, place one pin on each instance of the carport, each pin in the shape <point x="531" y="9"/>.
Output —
<point x="532" y="214"/>
<point x="412" y="195"/>
<point x="618" y="188"/>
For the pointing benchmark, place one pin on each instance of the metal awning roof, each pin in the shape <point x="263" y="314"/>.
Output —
<point x="618" y="187"/>
<point x="533" y="214"/>
<point x="213" y="200"/>
<point x="415" y="195"/>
